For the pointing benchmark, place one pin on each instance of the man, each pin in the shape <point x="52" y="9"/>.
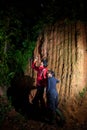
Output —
<point x="52" y="96"/>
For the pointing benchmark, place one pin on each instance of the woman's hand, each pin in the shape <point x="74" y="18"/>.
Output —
<point x="36" y="59"/>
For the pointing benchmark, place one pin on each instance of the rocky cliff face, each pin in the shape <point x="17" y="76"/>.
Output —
<point x="65" y="47"/>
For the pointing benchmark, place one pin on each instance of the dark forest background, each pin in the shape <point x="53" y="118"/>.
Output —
<point x="21" y="22"/>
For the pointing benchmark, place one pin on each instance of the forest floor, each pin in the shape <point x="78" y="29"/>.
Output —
<point x="10" y="119"/>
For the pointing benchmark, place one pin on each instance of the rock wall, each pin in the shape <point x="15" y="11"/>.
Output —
<point x="65" y="47"/>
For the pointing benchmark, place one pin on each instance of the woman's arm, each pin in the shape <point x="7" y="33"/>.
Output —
<point x="34" y="65"/>
<point x="45" y="73"/>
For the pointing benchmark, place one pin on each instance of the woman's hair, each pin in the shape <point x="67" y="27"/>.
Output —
<point x="44" y="63"/>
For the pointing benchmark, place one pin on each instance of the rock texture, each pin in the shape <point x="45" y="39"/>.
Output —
<point x="64" y="44"/>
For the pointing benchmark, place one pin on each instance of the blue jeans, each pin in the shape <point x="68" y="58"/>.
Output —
<point x="52" y="101"/>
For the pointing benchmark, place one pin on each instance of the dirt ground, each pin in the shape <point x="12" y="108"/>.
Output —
<point x="16" y="120"/>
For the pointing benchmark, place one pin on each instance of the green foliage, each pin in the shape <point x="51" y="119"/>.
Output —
<point x="15" y="46"/>
<point x="83" y="92"/>
<point x="10" y="77"/>
<point x="5" y="107"/>
<point x="21" y="56"/>
<point x="38" y="28"/>
<point x="28" y="53"/>
<point x="3" y="71"/>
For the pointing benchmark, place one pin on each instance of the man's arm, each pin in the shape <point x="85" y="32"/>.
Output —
<point x="48" y="86"/>
<point x="57" y="81"/>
